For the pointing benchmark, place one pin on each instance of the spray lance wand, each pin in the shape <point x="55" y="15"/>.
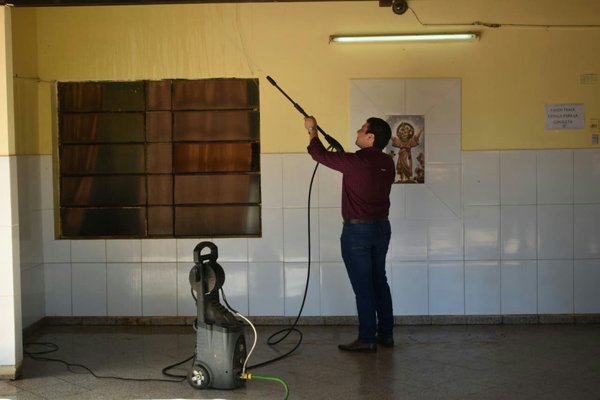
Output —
<point x="332" y="142"/>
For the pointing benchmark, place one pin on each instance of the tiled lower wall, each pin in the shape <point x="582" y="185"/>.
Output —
<point x="491" y="233"/>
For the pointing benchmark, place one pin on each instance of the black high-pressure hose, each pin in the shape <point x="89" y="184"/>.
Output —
<point x="286" y="331"/>
<point x="335" y="145"/>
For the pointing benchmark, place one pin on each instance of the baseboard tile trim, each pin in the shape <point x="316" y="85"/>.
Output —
<point x="399" y="320"/>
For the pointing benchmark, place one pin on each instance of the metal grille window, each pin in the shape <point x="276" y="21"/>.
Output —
<point x="170" y="158"/>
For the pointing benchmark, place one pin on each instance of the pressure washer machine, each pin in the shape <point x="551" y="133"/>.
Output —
<point x="220" y="344"/>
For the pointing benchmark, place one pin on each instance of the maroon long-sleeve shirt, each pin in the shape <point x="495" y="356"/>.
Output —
<point x="368" y="175"/>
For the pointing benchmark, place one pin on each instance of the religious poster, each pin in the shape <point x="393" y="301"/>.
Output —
<point x="407" y="147"/>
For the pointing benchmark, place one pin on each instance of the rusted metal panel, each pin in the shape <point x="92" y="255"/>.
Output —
<point x="217" y="221"/>
<point x="103" y="190"/>
<point x="217" y="189"/>
<point x="101" y="96"/>
<point x="102" y="159"/>
<point x="103" y="222"/>
<point x="215" y="94"/>
<point x="215" y="157"/>
<point x="102" y="127"/>
<point x="207" y="126"/>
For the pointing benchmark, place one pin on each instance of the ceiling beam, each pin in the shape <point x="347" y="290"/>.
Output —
<point x="53" y="3"/>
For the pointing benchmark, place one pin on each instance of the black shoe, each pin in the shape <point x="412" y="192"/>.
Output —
<point x="386" y="342"/>
<point x="358" y="346"/>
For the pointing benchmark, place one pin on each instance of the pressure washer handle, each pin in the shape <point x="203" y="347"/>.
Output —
<point x="212" y="256"/>
<point x="332" y="142"/>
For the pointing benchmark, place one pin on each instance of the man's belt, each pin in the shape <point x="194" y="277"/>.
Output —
<point x="365" y="221"/>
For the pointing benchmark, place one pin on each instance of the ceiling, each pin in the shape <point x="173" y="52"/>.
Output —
<point x="48" y="3"/>
<point x="580" y="14"/>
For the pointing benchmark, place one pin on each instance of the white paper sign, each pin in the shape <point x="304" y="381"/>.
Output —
<point x="564" y="116"/>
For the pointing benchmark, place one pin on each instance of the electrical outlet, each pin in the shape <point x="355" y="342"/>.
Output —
<point x="595" y="125"/>
<point x="594" y="138"/>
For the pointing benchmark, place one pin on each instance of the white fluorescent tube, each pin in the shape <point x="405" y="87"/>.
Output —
<point x="403" y="38"/>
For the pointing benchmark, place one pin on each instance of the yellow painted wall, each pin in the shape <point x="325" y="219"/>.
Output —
<point x="7" y="136"/>
<point x="507" y="77"/>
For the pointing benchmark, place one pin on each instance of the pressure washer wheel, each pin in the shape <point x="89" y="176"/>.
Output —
<point x="198" y="377"/>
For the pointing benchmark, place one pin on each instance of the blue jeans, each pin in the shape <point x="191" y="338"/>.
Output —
<point x="364" y="247"/>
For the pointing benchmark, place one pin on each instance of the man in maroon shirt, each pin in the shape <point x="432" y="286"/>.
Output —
<point x="368" y="175"/>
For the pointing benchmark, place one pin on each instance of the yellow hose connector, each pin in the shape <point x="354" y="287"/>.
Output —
<point x="247" y="376"/>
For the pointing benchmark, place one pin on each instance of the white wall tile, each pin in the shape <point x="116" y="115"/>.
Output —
<point x="57" y="287"/>
<point x="337" y="297"/>
<point x="47" y="182"/>
<point x="232" y="249"/>
<point x="554" y="176"/>
<point x="48" y="226"/>
<point x="586" y="176"/>
<point x="370" y="97"/>
<point x="295" y="276"/>
<point x="32" y="295"/>
<point x="6" y="218"/>
<point x="555" y="231"/>
<point x="297" y="172"/>
<point x="268" y="248"/>
<point x="555" y="286"/>
<point x="519" y="287"/>
<point x="587" y="230"/>
<point x="482" y="232"/>
<point x="236" y="285"/>
<point x="445" y="239"/>
<point x="122" y="251"/>
<point x="271" y="180"/>
<point x="55" y="251"/>
<point x="518" y="231"/>
<point x="159" y="289"/>
<point x="482" y="287"/>
<point x="587" y="282"/>
<point x="88" y="251"/>
<point x="442" y="148"/>
<point x="295" y="234"/>
<point x="265" y="289"/>
<point x="518" y="177"/>
<point x="124" y="289"/>
<point x="159" y="250"/>
<point x="186" y="306"/>
<point x="28" y="182"/>
<point x="330" y="188"/>
<point x="409" y="286"/>
<point x="89" y="289"/>
<point x="13" y="177"/>
<point x="444" y="181"/>
<point x="409" y="240"/>
<point x="423" y="202"/>
<point x="439" y="100"/>
<point x="8" y="273"/>
<point x="31" y="239"/>
<point x="185" y="249"/>
<point x="446" y="288"/>
<point x="10" y="322"/>
<point x="330" y="231"/>
<point x="397" y="201"/>
<point x="481" y="178"/>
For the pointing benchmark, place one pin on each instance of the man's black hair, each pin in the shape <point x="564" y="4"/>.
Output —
<point x="381" y="130"/>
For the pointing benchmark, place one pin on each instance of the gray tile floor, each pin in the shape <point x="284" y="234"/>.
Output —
<point x="429" y="362"/>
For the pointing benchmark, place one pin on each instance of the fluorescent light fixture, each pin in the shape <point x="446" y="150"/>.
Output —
<point x="402" y="38"/>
